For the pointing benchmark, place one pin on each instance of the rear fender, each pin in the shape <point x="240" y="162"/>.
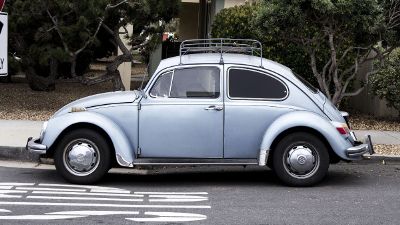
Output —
<point x="304" y="119"/>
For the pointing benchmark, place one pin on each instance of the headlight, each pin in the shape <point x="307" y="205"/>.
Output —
<point x="43" y="130"/>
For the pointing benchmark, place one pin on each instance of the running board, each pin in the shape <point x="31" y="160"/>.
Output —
<point x="164" y="161"/>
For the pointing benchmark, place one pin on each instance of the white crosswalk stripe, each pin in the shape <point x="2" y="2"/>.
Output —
<point x="65" y="195"/>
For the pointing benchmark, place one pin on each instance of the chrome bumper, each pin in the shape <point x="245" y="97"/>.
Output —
<point x="361" y="149"/>
<point x="33" y="146"/>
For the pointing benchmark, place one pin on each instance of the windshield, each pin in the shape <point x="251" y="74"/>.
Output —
<point x="308" y="85"/>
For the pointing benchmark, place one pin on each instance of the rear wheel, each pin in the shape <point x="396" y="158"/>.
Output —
<point x="82" y="156"/>
<point x="300" y="159"/>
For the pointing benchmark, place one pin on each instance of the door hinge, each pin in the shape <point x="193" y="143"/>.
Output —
<point x="139" y="151"/>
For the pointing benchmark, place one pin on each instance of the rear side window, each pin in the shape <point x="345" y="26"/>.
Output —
<point x="252" y="84"/>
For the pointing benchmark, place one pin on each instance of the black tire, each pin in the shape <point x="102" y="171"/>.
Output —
<point x="296" y="144"/>
<point x="101" y="157"/>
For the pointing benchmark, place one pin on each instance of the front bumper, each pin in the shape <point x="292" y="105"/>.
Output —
<point x="33" y="146"/>
<point x="361" y="149"/>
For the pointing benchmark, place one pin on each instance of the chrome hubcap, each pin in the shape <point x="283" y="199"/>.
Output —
<point x="301" y="161"/>
<point x="81" y="157"/>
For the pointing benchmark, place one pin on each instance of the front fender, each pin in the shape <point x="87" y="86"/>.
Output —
<point x="310" y="120"/>
<point x="122" y="146"/>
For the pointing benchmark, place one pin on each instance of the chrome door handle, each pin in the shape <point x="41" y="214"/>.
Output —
<point x="213" y="107"/>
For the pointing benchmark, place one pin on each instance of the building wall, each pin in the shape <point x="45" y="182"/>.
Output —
<point x="189" y="21"/>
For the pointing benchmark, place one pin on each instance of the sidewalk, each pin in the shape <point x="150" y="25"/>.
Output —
<point x="14" y="134"/>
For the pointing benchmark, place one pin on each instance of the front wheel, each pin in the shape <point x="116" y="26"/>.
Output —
<point x="300" y="159"/>
<point x="82" y="156"/>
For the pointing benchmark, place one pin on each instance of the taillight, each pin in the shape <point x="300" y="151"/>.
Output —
<point x="341" y="130"/>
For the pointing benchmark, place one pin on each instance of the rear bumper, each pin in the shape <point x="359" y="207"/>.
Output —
<point x="361" y="149"/>
<point x="33" y="146"/>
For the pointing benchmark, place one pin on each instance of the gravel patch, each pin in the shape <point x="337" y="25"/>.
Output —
<point x="19" y="102"/>
<point x="387" y="149"/>
<point x="364" y="122"/>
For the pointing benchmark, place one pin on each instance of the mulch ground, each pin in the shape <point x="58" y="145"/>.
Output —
<point x="365" y="122"/>
<point x="19" y="102"/>
<point x="387" y="149"/>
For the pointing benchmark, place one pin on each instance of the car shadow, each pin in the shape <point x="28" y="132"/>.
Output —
<point x="250" y="176"/>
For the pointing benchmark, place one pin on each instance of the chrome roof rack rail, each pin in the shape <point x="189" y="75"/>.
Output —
<point x="221" y="45"/>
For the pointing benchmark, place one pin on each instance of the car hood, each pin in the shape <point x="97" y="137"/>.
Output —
<point x="108" y="98"/>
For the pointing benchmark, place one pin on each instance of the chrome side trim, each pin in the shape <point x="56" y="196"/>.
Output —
<point x="121" y="161"/>
<point x="163" y="161"/>
<point x="33" y="146"/>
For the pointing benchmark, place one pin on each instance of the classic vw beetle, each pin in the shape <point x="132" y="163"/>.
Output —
<point x="217" y="103"/>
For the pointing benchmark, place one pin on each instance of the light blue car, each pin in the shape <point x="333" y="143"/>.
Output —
<point x="218" y="103"/>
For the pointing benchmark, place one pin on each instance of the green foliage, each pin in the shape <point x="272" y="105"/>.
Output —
<point x="35" y="38"/>
<point x="325" y="29"/>
<point x="236" y="22"/>
<point x="386" y="83"/>
<point x="239" y="22"/>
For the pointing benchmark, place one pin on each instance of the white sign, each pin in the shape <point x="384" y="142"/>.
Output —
<point x="3" y="44"/>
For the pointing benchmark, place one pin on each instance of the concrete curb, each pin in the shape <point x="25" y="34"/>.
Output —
<point x="21" y="154"/>
<point x="18" y="154"/>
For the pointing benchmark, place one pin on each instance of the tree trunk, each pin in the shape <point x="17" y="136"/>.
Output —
<point x="39" y="83"/>
<point x="73" y="65"/>
<point x="112" y="72"/>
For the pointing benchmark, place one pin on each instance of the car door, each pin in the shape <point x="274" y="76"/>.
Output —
<point x="254" y="99"/>
<point x="182" y="114"/>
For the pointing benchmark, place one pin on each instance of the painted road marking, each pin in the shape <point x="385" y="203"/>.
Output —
<point x="6" y="187"/>
<point x="39" y="217"/>
<point x="89" y="194"/>
<point x="94" y="213"/>
<point x="16" y="184"/>
<point x="169" y="217"/>
<point x="171" y="193"/>
<point x="85" y="198"/>
<point x="106" y="205"/>
<point x="48" y="189"/>
<point x="66" y="195"/>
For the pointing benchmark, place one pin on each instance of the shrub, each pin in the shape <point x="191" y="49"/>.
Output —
<point x="386" y="83"/>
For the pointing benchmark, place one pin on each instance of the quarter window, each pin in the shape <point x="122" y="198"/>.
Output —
<point x="252" y="84"/>
<point x="162" y="86"/>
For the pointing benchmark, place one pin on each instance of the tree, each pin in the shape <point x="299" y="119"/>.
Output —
<point x="337" y="36"/>
<point x="47" y="34"/>
<point x="148" y="19"/>
<point x="386" y="83"/>
<point x="239" y="22"/>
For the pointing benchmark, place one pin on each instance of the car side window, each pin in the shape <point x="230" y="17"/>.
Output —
<point x="162" y="86"/>
<point x="199" y="82"/>
<point x="250" y="84"/>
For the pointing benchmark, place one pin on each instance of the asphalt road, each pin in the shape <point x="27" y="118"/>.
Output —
<point x="367" y="192"/>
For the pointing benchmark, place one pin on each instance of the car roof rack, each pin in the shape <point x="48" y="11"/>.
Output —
<point x="221" y="45"/>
